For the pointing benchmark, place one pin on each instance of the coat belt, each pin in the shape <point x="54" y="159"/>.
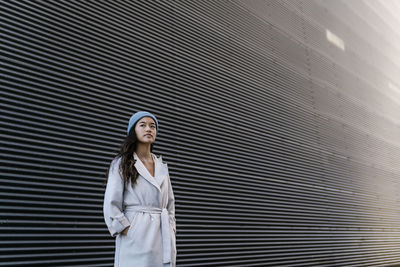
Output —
<point x="165" y="227"/>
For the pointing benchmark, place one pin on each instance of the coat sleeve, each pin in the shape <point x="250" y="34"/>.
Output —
<point x="171" y="205"/>
<point x="113" y="199"/>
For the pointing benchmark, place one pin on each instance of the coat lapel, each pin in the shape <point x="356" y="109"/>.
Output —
<point x="161" y="170"/>
<point x="145" y="173"/>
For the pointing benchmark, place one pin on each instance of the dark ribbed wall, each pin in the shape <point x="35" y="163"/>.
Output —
<point x="283" y="148"/>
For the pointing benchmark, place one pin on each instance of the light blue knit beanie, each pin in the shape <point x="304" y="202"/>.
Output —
<point x="137" y="116"/>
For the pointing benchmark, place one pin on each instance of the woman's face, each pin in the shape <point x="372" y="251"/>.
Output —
<point x="145" y="130"/>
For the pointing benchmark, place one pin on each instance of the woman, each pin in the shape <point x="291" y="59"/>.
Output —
<point x="139" y="207"/>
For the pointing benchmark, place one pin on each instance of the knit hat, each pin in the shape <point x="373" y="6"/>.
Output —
<point x="137" y="116"/>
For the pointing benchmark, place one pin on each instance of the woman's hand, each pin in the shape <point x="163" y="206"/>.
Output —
<point x="125" y="231"/>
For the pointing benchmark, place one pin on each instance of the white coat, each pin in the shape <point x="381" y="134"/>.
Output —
<point x="149" y="209"/>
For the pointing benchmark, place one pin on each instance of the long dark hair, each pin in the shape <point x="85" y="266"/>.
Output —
<point x="127" y="167"/>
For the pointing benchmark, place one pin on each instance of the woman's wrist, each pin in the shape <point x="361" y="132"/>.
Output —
<point x="125" y="231"/>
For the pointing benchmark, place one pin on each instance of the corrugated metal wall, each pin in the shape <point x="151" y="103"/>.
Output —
<point x="279" y="121"/>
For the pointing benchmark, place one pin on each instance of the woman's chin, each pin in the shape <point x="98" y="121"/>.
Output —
<point x="147" y="141"/>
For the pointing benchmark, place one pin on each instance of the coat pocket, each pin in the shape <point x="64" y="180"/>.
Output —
<point x="132" y="227"/>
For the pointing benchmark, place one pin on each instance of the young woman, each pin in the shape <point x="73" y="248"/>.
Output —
<point x="139" y="207"/>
